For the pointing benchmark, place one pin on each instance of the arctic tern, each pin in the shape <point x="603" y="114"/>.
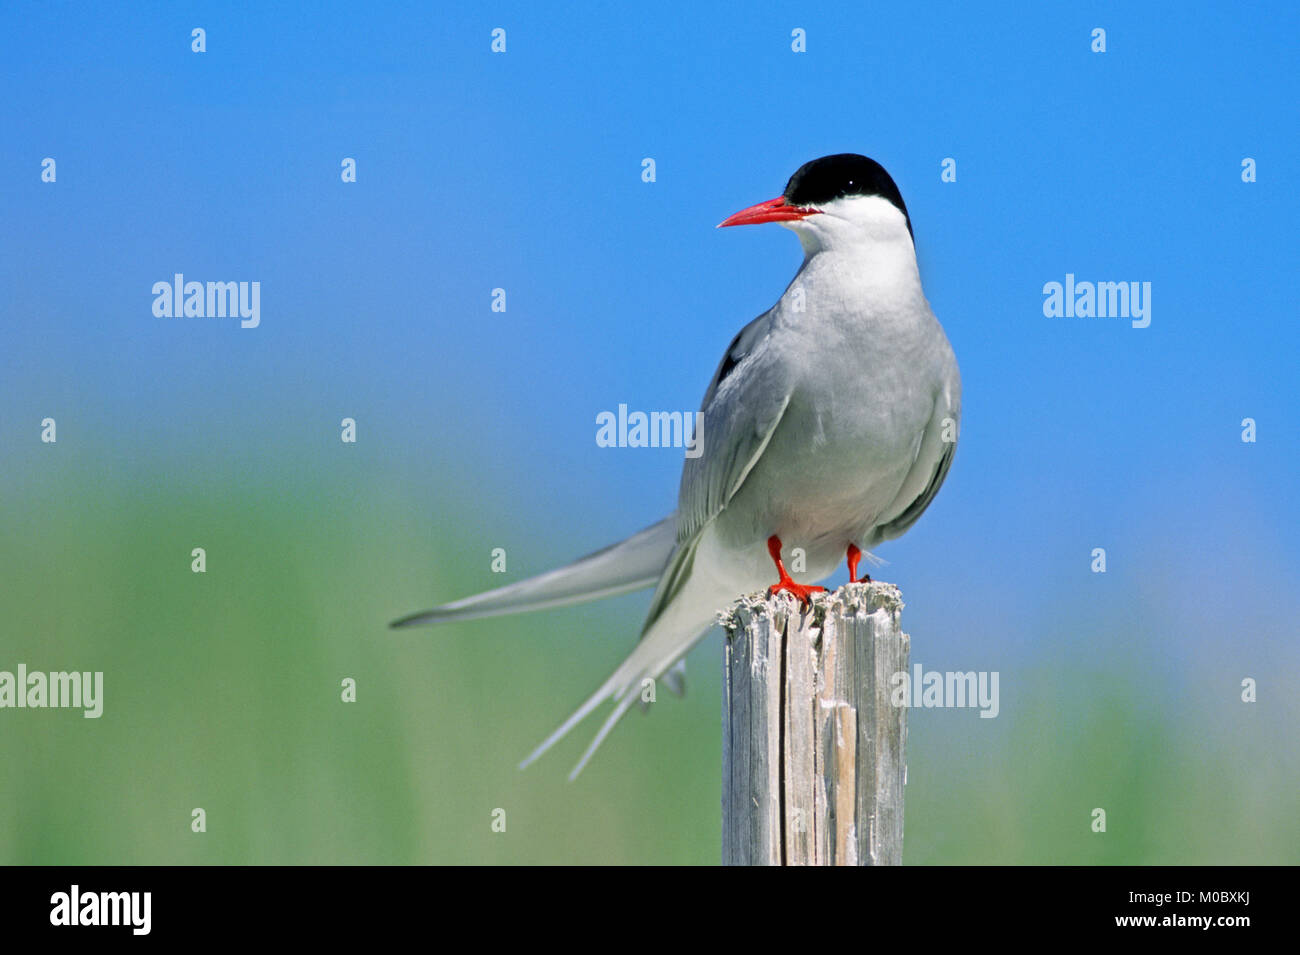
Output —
<point x="829" y="426"/>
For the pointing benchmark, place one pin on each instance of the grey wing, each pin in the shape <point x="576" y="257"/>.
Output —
<point x="742" y="409"/>
<point x="933" y="459"/>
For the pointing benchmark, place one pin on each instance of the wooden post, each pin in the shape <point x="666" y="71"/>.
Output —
<point x="813" y="751"/>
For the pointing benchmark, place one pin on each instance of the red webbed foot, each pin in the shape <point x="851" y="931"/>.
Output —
<point x="802" y="591"/>
<point x="787" y="584"/>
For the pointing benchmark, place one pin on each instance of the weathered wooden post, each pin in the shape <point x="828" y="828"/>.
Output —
<point x="813" y="751"/>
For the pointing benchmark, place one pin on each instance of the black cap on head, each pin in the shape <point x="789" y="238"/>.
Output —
<point x="844" y="174"/>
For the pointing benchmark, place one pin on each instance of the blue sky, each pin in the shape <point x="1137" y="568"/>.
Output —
<point x="522" y="171"/>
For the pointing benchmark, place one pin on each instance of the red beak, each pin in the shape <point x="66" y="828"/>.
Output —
<point x="774" y="210"/>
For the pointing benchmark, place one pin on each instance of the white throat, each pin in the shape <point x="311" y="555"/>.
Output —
<point x="867" y="242"/>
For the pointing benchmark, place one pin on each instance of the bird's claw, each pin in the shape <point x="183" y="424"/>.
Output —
<point x="802" y="591"/>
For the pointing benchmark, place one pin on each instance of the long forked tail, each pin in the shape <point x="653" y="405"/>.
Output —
<point x="633" y="564"/>
<point x="683" y="610"/>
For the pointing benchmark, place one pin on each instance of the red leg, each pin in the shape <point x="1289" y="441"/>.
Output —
<point x="786" y="584"/>
<point x="855" y="555"/>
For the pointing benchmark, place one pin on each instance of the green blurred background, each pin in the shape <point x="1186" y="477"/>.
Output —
<point x="223" y="692"/>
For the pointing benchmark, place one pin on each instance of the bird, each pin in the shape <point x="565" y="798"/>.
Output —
<point x="829" y="426"/>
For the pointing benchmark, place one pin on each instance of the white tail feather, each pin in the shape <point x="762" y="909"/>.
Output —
<point x="608" y="725"/>
<point x="683" y="621"/>
<point x="632" y="564"/>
